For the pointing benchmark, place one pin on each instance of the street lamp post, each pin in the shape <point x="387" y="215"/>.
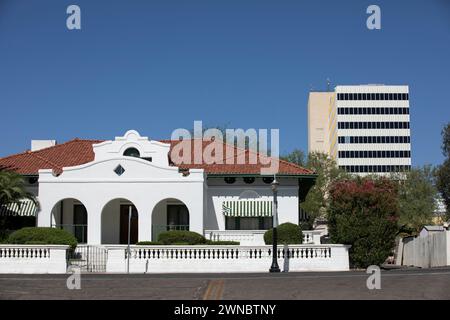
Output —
<point x="274" y="267"/>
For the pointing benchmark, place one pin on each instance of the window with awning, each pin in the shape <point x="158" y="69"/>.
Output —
<point x="247" y="208"/>
<point x="26" y="208"/>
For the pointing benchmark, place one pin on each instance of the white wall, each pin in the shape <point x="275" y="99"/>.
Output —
<point x="33" y="258"/>
<point x="207" y="259"/>
<point x="428" y="251"/>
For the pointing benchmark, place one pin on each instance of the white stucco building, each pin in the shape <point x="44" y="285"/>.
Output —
<point x="88" y="187"/>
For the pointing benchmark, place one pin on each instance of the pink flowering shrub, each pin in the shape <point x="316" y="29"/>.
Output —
<point x="364" y="213"/>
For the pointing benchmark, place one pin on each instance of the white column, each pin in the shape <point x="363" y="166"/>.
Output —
<point x="44" y="215"/>
<point x="145" y="223"/>
<point x="94" y="218"/>
<point x="196" y="216"/>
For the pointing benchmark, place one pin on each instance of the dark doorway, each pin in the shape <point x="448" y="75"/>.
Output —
<point x="124" y="209"/>
<point x="80" y="223"/>
<point x="177" y="217"/>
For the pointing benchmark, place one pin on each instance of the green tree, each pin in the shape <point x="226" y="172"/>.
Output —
<point x="446" y="140"/>
<point x="317" y="200"/>
<point x="443" y="171"/>
<point x="416" y="197"/>
<point x="363" y="213"/>
<point x="12" y="188"/>
<point x="297" y="156"/>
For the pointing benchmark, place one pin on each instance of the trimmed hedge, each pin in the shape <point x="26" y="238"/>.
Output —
<point x="222" y="243"/>
<point x="287" y="233"/>
<point x="40" y="235"/>
<point x="208" y="242"/>
<point x="179" y="236"/>
<point x="149" y="243"/>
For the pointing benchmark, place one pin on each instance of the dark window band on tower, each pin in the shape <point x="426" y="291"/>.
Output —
<point x="373" y="96"/>
<point x="376" y="168"/>
<point x="375" y="154"/>
<point x="373" y="125"/>
<point x="374" y="139"/>
<point x="373" y="111"/>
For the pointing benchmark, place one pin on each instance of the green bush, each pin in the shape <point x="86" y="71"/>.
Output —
<point x="222" y="243"/>
<point x="35" y="242"/>
<point x="287" y="233"/>
<point x="178" y="236"/>
<point x="208" y="242"/>
<point x="34" y="235"/>
<point x="4" y="234"/>
<point x="307" y="225"/>
<point x="149" y="243"/>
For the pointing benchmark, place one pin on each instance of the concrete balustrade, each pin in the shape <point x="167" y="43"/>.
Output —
<point x="226" y="259"/>
<point x="33" y="258"/>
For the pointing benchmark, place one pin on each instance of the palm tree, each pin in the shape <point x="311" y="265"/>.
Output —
<point x="12" y="188"/>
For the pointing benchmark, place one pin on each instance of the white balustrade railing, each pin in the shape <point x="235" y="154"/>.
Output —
<point x="177" y="259"/>
<point x="33" y="258"/>
<point x="311" y="236"/>
<point x="255" y="237"/>
<point x="244" y="237"/>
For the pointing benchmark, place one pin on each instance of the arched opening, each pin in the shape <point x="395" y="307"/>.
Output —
<point x="71" y="215"/>
<point x="132" y="152"/>
<point x="249" y="194"/>
<point x="169" y="214"/>
<point x="115" y="222"/>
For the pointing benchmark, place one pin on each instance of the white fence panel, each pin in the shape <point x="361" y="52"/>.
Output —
<point x="226" y="259"/>
<point x="429" y="251"/>
<point x="33" y="258"/>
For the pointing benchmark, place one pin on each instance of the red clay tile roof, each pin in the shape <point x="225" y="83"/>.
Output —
<point x="76" y="152"/>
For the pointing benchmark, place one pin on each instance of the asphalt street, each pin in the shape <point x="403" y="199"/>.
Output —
<point x="395" y="284"/>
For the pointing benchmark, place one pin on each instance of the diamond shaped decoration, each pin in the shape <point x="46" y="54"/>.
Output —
<point x="119" y="170"/>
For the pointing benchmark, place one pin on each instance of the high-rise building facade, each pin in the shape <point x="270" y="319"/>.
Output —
<point x="319" y="109"/>
<point x="368" y="127"/>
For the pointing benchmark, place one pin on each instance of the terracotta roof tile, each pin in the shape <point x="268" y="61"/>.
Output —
<point x="78" y="151"/>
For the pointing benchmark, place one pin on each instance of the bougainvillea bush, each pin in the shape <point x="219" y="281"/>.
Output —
<point x="364" y="213"/>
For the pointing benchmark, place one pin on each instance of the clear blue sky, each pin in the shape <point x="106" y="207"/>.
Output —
<point x="159" y="65"/>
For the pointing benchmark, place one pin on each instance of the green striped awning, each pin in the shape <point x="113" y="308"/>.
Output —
<point x="25" y="208"/>
<point x="247" y="208"/>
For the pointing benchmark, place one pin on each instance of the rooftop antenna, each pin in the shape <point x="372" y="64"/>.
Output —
<point x="328" y="84"/>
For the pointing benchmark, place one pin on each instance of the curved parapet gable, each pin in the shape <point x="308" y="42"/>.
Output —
<point x="111" y="165"/>
<point x="155" y="151"/>
<point x="122" y="169"/>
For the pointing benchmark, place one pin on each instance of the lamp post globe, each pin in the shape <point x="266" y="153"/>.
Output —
<point x="274" y="267"/>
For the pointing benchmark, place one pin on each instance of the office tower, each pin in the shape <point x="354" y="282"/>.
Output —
<point x="368" y="127"/>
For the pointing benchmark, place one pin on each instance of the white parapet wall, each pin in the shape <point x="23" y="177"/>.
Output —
<point x="244" y="237"/>
<point x="255" y="237"/>
<point x="33" y="258"/>
<point x="226" y="259"/>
